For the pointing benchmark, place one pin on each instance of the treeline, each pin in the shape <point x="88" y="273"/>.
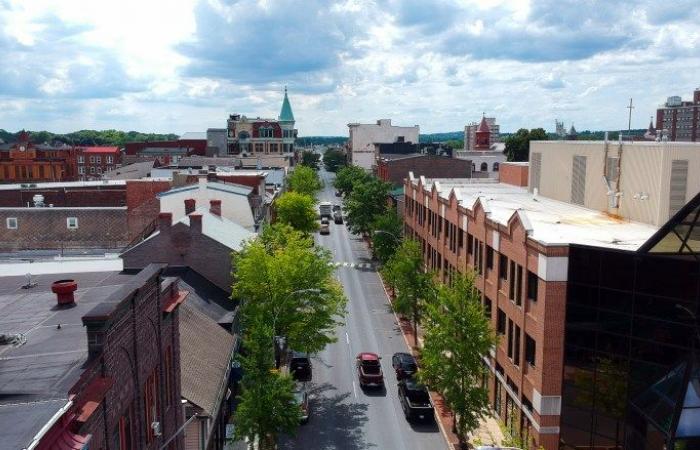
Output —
<point x="89" y="137"/>
<point x="321" y="140"/>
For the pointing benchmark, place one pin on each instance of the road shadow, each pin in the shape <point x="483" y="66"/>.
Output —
<point x="320" y="360"/>
<point x="425" y="427"/>
<point x="374" y="391"/>
<point x="334" y="423"/>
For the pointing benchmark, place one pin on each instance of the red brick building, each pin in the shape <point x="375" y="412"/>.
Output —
<point x="395" y="168"/>
<point x="517" y="244"/>
<point x="27" y="162"/>
<point x="514" y="173"/>
<point x="195" y="146"/>
<point x="94" y="161"/>
<point x="680" y="119"/>
<point x="94" y="365"/>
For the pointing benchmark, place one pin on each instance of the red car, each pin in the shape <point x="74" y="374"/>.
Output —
<point x="369" y="370"/>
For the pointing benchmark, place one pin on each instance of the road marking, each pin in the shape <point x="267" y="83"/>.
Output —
<point x="354" y="389"/>
<point x="347" y="338"/>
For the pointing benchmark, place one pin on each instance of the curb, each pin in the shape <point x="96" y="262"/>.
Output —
<point x="445" y="436"/>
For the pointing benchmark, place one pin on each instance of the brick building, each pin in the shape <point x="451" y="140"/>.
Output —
<point x="518" y="245"/>
<point x="89" y="214"/>
<point x="470" y="130"/>
<point x="396" y="169"/>
<point x="193" y="146"/>
<point x="514" y="173"/>
<point x="94" y="161"/>
<point x="95" y="365"/>
<point x="27" y="162"/>
<point x="680" y="120"/>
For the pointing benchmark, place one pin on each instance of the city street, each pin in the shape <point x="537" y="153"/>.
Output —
<point x="343" y="416"/>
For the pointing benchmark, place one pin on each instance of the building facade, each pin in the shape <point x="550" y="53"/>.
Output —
<point x="26" y="162"/>
<point x="363" y="137"/>
<point x="396" y="170"/>
<point x="94" y="161"/>
<point x="483" y="148"/>
<point x="680" y="120"/>
<point x="252" y="137"/>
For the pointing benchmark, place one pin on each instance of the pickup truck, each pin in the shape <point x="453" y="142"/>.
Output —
<point x="369" y="370"/>
<point x="415" y="401"/>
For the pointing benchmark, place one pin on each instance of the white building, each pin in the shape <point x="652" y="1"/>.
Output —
<point x="483" y="149"/>
<point x="470" y="133"/>
<point x="363" y="137"/>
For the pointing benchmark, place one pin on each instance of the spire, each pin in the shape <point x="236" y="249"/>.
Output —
<point x="286" y="114"/>
<point x="652" y="129"/>
<point x="483" y="126"/>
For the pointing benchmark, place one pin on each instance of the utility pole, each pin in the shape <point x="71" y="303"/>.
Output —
<point x="629" y="121"/>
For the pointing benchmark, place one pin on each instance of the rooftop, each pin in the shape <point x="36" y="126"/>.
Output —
<point x="231" y="188"/>
<point x="201" y="135"/>
<point x="101" y="150"/>
<point x="548" y="221"/>
<point x="222" y="230"/>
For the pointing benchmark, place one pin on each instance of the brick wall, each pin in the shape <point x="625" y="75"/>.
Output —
<point x="514" y="173"/>
<point x="429" y="166"/>
<point x="108" y="195"/>
<point x="46" y="228"/>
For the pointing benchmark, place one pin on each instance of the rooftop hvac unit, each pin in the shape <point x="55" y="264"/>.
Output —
<point x="38" y="200"/>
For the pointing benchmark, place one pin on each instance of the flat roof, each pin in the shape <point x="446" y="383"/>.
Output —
<point x="71" y="184"/>
<point x="550" y="222"/>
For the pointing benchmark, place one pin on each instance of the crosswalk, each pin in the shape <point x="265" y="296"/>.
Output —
<point x="353" y="265"/>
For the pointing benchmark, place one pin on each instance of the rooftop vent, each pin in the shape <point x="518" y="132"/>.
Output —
<point x="38" y="200"/>
<point x="64" y="291"/>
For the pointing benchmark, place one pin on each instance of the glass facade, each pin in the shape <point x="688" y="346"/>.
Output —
<point x="631" y="377"/>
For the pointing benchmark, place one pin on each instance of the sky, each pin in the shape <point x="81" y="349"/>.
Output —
<point x="184" y="65"/>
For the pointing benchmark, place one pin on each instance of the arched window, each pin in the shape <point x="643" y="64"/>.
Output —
<point x="484" y="167"/>
<point x="495" y="167"/>
<point x="243" y="135"/>
<point x="473" y="167"/>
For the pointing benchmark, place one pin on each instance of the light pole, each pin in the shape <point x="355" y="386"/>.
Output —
<point x="396" y="238"/>
<point x="280" y="342"/>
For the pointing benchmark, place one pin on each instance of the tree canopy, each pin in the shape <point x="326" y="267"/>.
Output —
<point x="386" y="238"/>
<point x="89" y="137"/>
<point x="350" y="176"/>
<point x="297" y="210"/>
<point x="310" y="159"/>
<point x="458" y="336"/>
<point x="304" y="180"/>
<point x="367" y="200"/>
<point x="518" y="144"/>
<point x="333" y="159"/>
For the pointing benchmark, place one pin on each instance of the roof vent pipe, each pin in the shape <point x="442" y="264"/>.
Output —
<point x="64" y="290"/>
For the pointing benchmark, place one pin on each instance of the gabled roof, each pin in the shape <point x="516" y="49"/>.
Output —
<point x="206" y="350"/>
<point x="222" y="230"/>
<point x="286" y="114"/>
<point x="483" y="126"/>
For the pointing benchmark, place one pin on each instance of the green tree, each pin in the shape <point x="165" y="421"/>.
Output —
<point x="458" y="336"/>
<point x="310" y="159"/>
<point x="367" y="200"/>
<point x="267" y="406"/>
<point x="518" y="144"/>
<point x="455" y="144"/>
<point x="297" y="210"/>
<point x="278" y="235"/>
<point x="304" y="180"/>
<point x="334" y="159"/>
<point x="413" y="285"/>
<point x="348" y="177"/>
<point x="387" y="228"/>
<point x="291" y="286"/>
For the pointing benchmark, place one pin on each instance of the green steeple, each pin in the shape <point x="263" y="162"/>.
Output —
<point x="286" y="114"/>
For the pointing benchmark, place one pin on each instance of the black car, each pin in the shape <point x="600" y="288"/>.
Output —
<point x="300" y="366"/>
<point x="415" y="401"/>
<point x="338" y="217"/>
<point x="404" y="364"/>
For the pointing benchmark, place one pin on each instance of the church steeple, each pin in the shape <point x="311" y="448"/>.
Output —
<point x="286" y="114"/>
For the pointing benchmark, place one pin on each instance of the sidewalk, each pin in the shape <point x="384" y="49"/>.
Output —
<point x="489" y="431"/>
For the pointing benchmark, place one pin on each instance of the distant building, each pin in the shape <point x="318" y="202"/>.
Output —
<point x="680" y="120"/>
<point x="160" y="149"/>
<point x="27" y="162"/>
<point x="94" y="161"/>
<point x="363" y="137"/>
<point x="217" y="143"/>
<point x="258" y="136"/>
<point x="560" y="130"/>
<point x="471" y="129"/>
<point x="91" y="360"/>
<point x="395" y="168"/>
<point x="486" y="155"/>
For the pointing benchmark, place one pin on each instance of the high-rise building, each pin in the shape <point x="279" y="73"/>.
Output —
<point x="680" y="120"/>
<point x="259" y="136"/>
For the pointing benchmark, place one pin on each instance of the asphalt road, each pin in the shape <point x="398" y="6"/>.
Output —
<point x="343" y="416"/>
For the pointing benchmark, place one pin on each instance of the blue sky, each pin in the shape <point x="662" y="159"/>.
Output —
<point x="184" y="65"/>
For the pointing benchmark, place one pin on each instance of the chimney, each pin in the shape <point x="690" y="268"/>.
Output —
<point x="196" y="223"/>
<point x="64" y="291"/>
<point x="190" y="205"/>
<point x="165" y="221"/>
<point x="215" y="207"/>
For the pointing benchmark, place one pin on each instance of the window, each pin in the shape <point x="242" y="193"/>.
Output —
<point x="532" y="281"/>
<point x="81" y="159"/>
<point x="11" y="223"/>
<point x="502" y="267"/>
<point x="110" y="160"/>
<point x="81" y="170"/>
<point x="168" y="376"/>
<point x="470" y="244"/>
<point x="460" y="238"/>
<point x="72" y="223"/>
<point x="259" y="148"/>
<point x="121" y="437"/>
<point x="484" y="167"/>
<point x="92" y="159"/>
<point x="488" y="304"/>
<point x="266" y="132"/>
<point x="495" y="167"/>
<point x="501" y="322"/>
<point x="519" y="286"/>
<point x="511" y="290"/>
<point x="510" y="338"/>
<point x="516" y="346"/>
<point x="98" y="159"/>
<point x="274" y="148"/>
<point x="150" y="400"/>
<point x="99" y="170"/>
<point x="489" y="258"/>
<point x="530" y="350"/>
<point x="92" y="169"/>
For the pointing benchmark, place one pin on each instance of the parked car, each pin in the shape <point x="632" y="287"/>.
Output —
<point x="404" y="364"/>
<point x="301" y="396"/>
<point x="337" y="193"/>
<point x="415" y="401"/>
<point x="336" y="207"/>
<point x="300" y="366"/>
<point x="369" y="370"/>
<point x="325" y="227"/>
<point x="338" y="217"/>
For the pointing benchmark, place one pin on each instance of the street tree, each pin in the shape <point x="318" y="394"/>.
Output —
<point x="310" y="159"/>
<point x="367" y="200"/>
<point x="413" y="286"/>
<point x="304" y="180"/>
<point x="297" y="210"/>
<point x="458" y="335"/>
<point x="278" y="235"/>
<point x="387" y="234"/>
<point x="334" y="159"/>
<point x="348" y="177"/>
<point x="518" y="144"/>
<point x="291" y="286"/>
<point x="267" y="406"/>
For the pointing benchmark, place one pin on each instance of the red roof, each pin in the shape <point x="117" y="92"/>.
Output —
<point x="368" y="356"/>
<point x="483" y="126"/>
<point x="101" y="150"/>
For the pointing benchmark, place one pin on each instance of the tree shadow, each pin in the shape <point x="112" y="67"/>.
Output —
<point x="428" y="426"/>
<point x="334" y="423"/>
<point x="374" y="391"/>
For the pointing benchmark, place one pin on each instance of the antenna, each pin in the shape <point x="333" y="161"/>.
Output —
<point x="629" y="121"/>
